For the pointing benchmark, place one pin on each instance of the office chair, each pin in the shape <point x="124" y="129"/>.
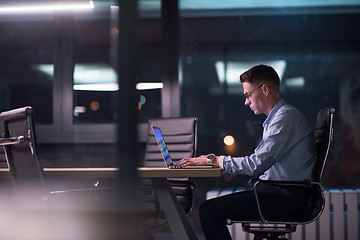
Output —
<point x="181" y="138"/>
<point x="20" y="150"/>
<point x="268" y="227"/>
<point x="19" y="142"/>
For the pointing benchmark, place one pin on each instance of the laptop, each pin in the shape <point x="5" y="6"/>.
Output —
<point x="165" y="152"/>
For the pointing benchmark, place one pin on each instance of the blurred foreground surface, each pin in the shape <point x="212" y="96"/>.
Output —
<point x="73" y="215"/>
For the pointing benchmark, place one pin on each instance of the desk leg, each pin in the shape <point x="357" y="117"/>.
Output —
<point x="179" y="224"/>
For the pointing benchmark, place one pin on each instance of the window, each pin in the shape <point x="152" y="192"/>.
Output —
<point x="316" y="54"/>
<point x="26" y="57"/>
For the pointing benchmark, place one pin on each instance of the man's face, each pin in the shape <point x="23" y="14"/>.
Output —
<point x="254" y="97"/>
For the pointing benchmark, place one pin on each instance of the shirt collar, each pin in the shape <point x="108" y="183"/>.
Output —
<point x="278" y="105"/>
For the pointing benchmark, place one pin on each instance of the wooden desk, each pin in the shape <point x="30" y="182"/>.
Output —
<point x="178" y="222"/>
<point x="144" y="172"/>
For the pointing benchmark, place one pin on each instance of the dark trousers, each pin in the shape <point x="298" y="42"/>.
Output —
<point x="275" y="202"/>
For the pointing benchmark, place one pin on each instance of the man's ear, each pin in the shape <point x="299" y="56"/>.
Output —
<point x="266" y="89"/>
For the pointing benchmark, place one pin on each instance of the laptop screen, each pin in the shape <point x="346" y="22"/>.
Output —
<point x="162" y="146"/>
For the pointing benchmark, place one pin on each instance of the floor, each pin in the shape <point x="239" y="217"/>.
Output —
<point x="165" y="234"/>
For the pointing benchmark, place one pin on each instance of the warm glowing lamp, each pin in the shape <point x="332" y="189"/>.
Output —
<point x="229" y="140"/>
<point x="94" y="105"/>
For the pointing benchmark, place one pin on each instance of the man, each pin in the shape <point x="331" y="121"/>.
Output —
<point x="286" y="152"/>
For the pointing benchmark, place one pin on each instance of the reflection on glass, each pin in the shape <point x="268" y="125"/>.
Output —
<point x="94" y="77"/>
<point x="233" y="68"/>
<point x="21" y="79"/>
<point x="312" y="45"/>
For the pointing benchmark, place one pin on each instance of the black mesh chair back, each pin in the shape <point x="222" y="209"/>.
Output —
<point x="324" y="134"/>
<point x="19" y="142"/>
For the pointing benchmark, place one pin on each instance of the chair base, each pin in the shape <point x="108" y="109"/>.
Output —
<point x="269" y="238"/>
<point x="271" y="232"/>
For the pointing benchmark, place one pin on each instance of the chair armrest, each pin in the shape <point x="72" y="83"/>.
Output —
<point x="11" y="141"/>
<point x="283" y="183"/>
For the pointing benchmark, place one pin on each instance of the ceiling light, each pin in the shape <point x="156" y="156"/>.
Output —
<point x="96" y="87"/>
<point x="148" y="86"/>
<point x="43" y="7"/>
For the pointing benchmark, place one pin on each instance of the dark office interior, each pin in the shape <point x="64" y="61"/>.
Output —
<point x="74" y="68"/>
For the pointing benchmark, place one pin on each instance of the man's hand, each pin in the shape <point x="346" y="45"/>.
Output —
<point x="197" y="161"/>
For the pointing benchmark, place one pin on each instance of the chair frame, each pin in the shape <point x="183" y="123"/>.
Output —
<point x="280" y="228"/>
<point x="5" y="141"/>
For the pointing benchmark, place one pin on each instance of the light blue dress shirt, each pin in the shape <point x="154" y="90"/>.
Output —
<point x="286" y="152"/>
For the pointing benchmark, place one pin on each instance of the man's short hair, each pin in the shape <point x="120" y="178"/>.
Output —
<point x="261" y="74"/>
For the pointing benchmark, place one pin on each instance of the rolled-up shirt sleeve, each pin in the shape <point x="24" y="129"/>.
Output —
<point x="257" y="163"/>
<point x="221" y="161"/>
